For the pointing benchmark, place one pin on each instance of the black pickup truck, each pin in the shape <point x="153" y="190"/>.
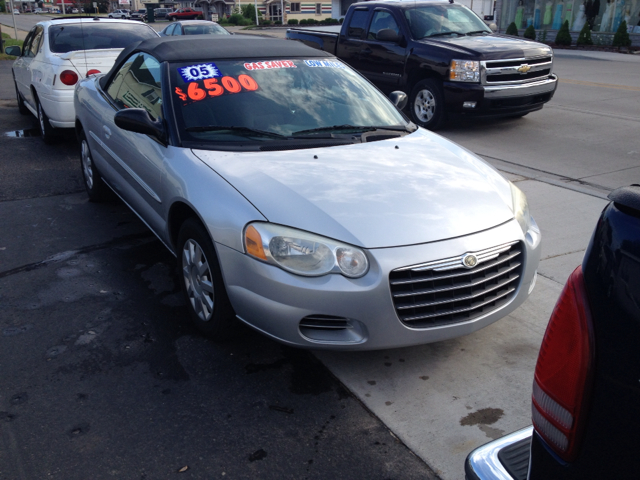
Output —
<point x="443" y="56"/>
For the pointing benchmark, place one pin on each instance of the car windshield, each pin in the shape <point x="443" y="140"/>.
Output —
<point x="442" y="20"/>
<point x="260" y="101"/>
<point x="206" y="29"/>
<point x="94" y="36"/>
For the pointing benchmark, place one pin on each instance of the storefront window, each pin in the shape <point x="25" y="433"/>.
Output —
<point x="601" y="15"/>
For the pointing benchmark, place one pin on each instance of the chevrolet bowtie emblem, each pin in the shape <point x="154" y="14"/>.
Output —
<point x="524" y="68"/>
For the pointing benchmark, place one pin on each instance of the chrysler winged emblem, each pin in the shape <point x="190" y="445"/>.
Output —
<point x="470" y="260"/>
<point x="524" y="68"/>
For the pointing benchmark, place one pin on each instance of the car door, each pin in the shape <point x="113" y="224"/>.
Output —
<point x="21" y="67"/>
<point x="384" y="60"/>
<point x="136" y="159"/>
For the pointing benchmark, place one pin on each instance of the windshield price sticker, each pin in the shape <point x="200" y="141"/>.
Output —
<point x="270" y="65"/>
<point x="199" y="72"/>
<point x="324" y="64"/>
<point x="211" y="87"/>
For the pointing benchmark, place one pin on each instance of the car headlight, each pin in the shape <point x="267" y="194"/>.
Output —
<point x="520" y="208"/>
<point x="303" y="253"/>
<point x="464" y="71"/>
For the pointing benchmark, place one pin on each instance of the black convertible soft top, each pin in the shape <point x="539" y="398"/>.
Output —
<point x="201" y="48"/>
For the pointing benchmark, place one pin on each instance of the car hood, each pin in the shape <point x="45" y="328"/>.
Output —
<point x="491" y="47"/>
<point x="415" y="189"/>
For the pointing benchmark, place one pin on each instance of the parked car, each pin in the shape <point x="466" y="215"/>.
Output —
<point x="16" y="11"/>
<point x="123" y="14"/>
<point x="161" y="13"/>
<point x="58" y="53"/>
<point x="298" y="198"/>
<point x="38" y="10"/>
<point x="586" y="394"/>
<point x="443" y="56"/>
<point x="140" y="15"/>
<point x="184" y="14"/>
<point x="193" y="27"/>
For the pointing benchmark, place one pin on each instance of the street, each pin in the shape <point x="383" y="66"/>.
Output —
<point x="103" y="377"/>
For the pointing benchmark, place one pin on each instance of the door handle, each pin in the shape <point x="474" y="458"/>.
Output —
<point x="107" y="131"/>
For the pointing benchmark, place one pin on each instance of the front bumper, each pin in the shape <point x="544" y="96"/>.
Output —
<point x="274" y="301"/>
<point x="498" y="100"/>
<point x="506" y="458"/>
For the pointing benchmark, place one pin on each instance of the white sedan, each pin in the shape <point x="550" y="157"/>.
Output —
<point x="57" y="54"/>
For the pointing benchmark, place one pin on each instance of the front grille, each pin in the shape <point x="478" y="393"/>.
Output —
<point x="445" y="292"/>
<point x="496" y="72"/>
<point x="515" y="77"/>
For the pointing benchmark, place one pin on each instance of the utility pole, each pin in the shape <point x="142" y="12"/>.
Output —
<point x="255" y="3"/>
<point x="13" y="17"/>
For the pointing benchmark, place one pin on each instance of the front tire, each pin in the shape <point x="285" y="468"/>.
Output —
<point x="46" y="130"/>
<point x="426" y="104"/>
<point x="96" y="189"/>
<point x="202" y="283"/>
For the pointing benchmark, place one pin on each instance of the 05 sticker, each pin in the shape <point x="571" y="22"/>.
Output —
<point x="199" y="72"/>
<point x="214" y="87"/>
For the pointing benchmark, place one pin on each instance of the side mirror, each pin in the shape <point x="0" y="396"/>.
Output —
<point x="138" y="120"/>
<point x="14" y="51"/>
<point x="493" y="27"/>
<point x="399" y="99"/>
<point x="388" y="35"/>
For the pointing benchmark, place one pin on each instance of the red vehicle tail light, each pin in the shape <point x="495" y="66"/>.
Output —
<point x="93" y="72"/>
<point x="69" y="77"/>
<point x="562" y="377"/>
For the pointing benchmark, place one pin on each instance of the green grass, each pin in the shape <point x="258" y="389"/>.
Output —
<point x="8" y="42"/>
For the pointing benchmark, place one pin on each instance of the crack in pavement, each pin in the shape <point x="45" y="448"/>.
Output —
<point x="58" y="257"/>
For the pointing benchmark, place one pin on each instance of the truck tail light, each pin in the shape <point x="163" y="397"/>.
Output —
<point x="69" y="77"/>
<point x="562" y="379"/>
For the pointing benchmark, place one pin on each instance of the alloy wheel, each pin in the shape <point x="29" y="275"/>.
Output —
<point x="87" y="165"/>
<point x="424" y="105"/>
<point x="198" y="280"/>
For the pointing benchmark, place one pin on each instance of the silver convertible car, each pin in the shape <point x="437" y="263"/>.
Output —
<point x="298" y="199"/>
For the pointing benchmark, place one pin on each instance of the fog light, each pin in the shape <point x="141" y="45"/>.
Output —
<point x="469" y="105"/>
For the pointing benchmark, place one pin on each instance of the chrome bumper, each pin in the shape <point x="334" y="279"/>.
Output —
<point x="522" y="90"/>
<point x="483" y="463"/>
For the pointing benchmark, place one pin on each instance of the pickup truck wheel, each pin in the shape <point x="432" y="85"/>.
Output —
<point x="22" y="108"/>
<point x="426" y="104"/>
<point x="46" y="130"/>
<point x="202" y="283"/>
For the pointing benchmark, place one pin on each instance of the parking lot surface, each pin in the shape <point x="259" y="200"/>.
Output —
<point x="441" y="400"/>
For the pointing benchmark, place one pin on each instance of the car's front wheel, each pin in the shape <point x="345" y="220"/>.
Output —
<point x="202" y="283"/>
<point x="426" y="104"/>
<point x="93" y="183"/>
<point x="46" y="130"/>
<point x="173" y="19"/>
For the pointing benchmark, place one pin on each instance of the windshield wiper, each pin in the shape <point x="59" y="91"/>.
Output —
<point x="215" y="128"/>
<point x="440" y="34"/>
<point x="359" y="129"/>
<point x="477" y="31"/>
